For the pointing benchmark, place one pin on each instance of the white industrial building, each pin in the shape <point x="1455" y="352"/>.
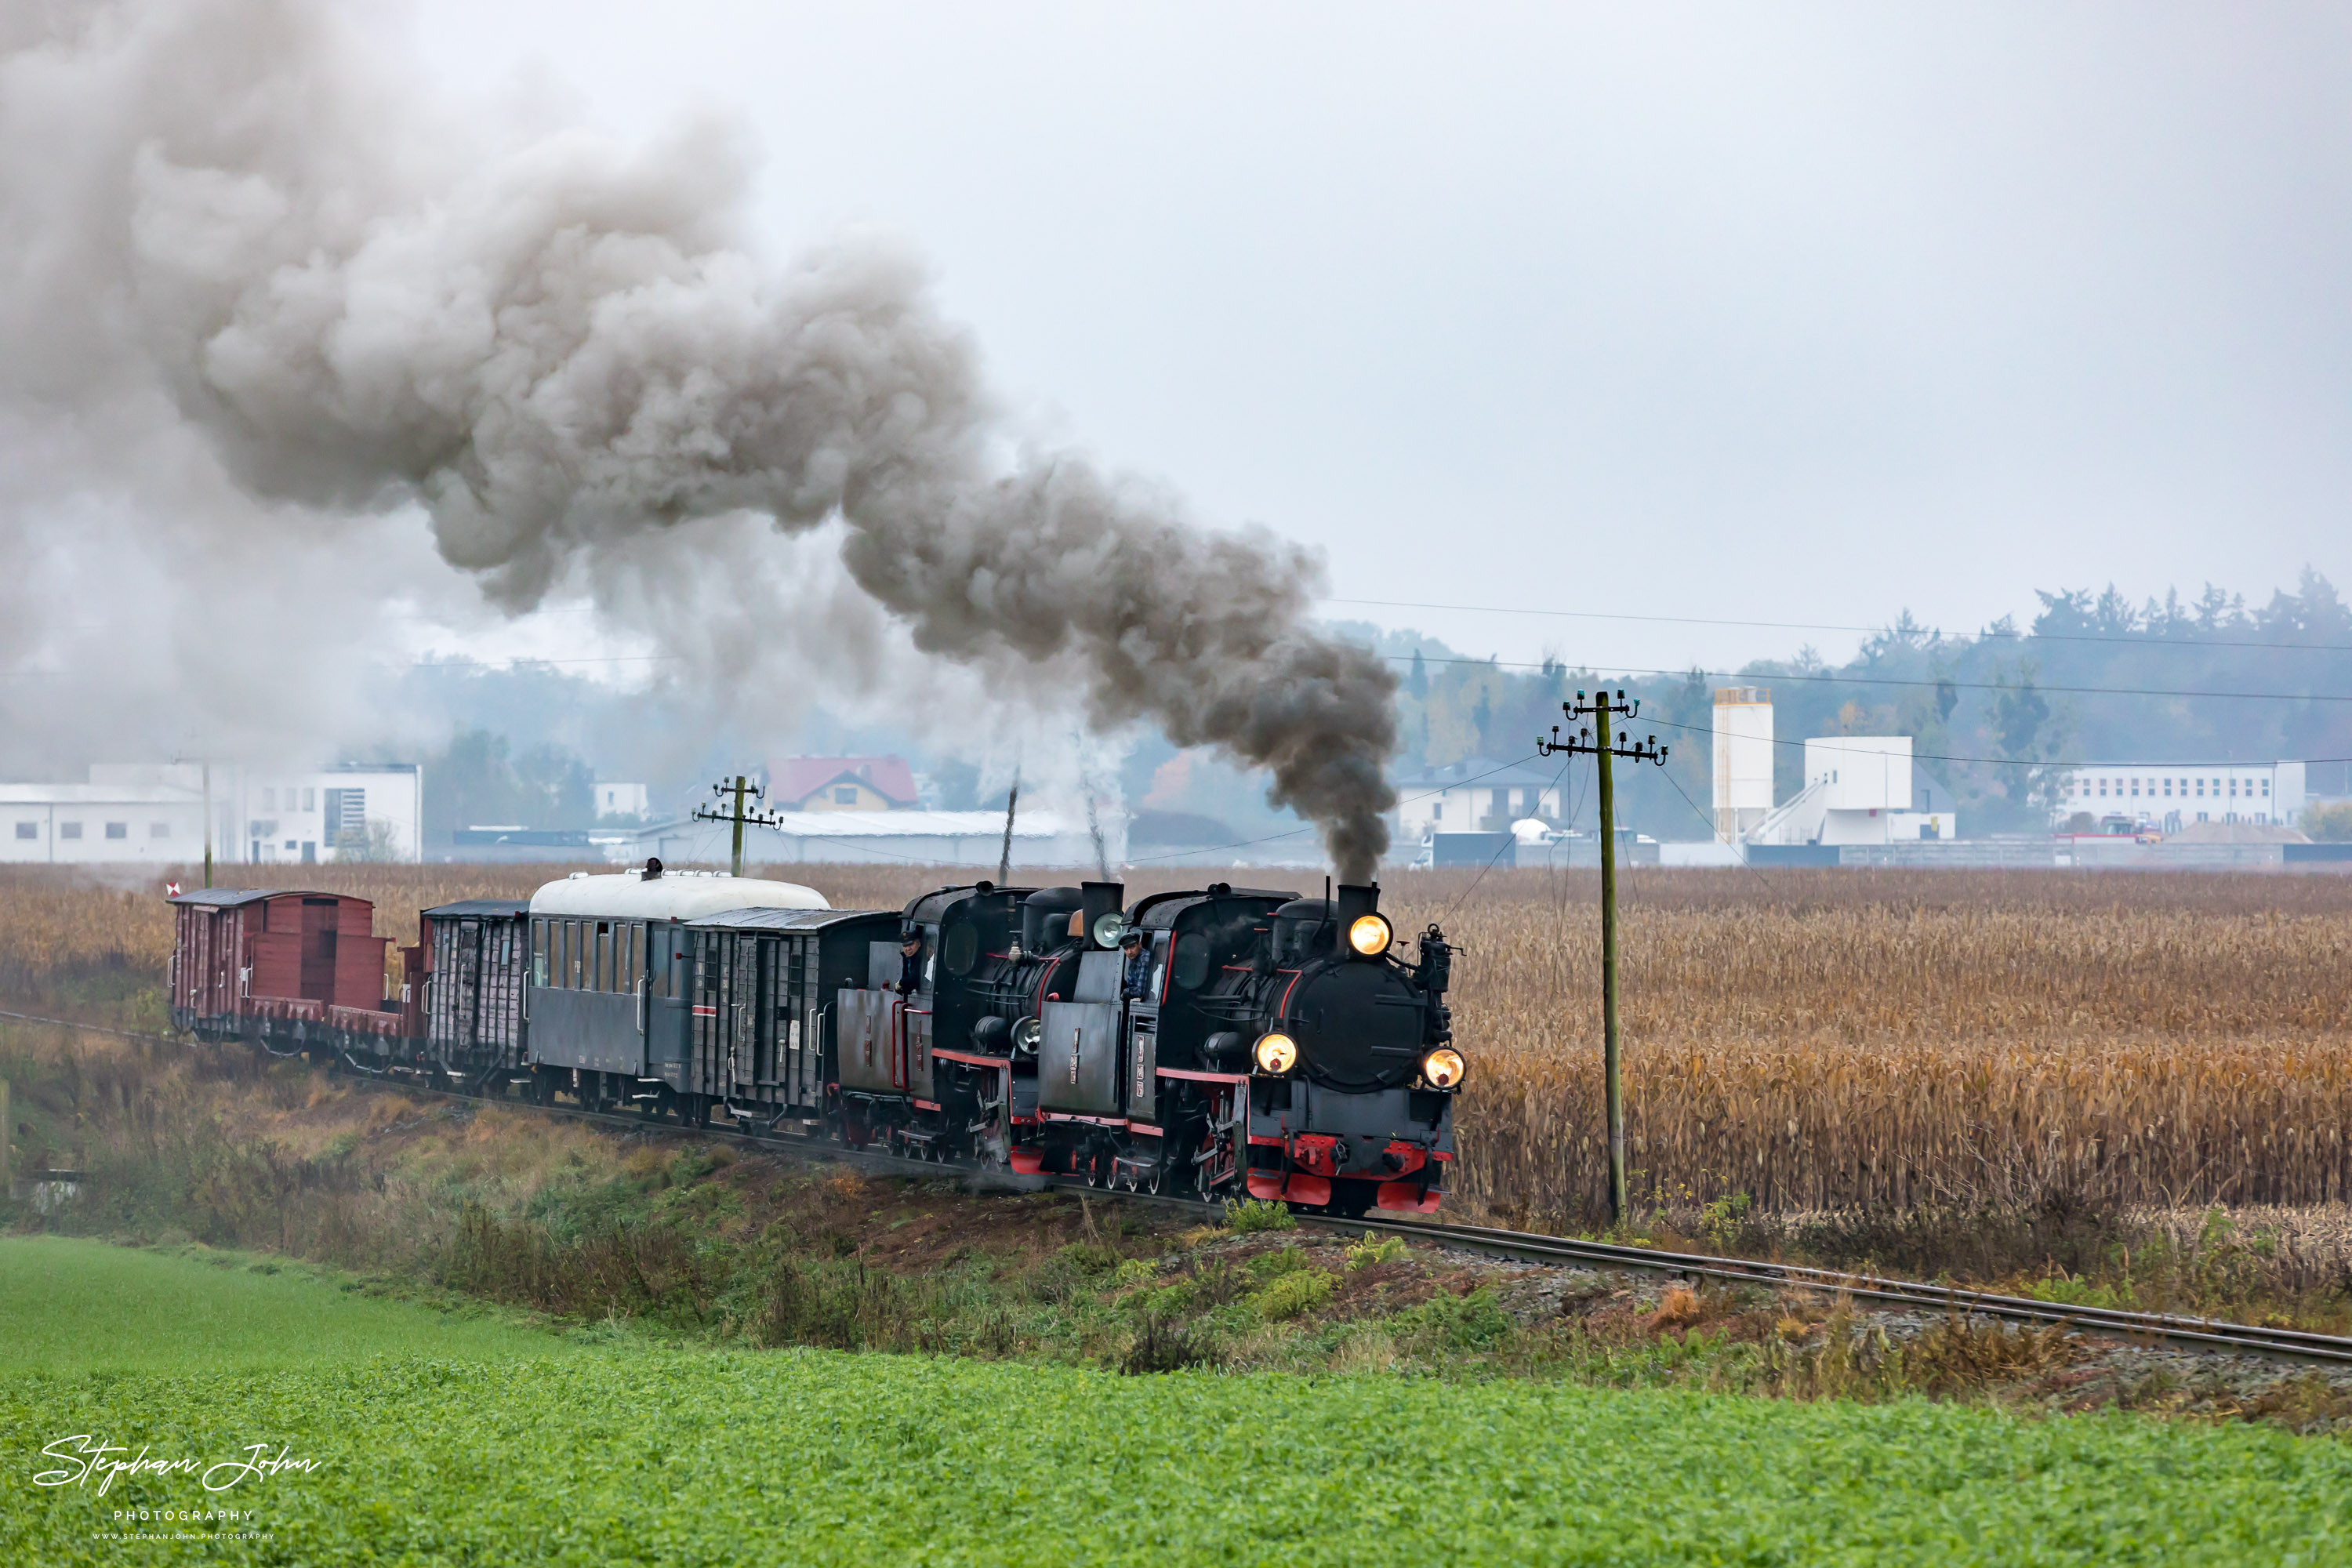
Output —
<point x="623" y="800"/>
<point x="155" y="814"/>
<point x="1743" y="760"/>
<point x="1858" y="789"/>
<point x="2169" y="796"/>
<point x="95" y="824"/>
<point x="1475" y="797"/>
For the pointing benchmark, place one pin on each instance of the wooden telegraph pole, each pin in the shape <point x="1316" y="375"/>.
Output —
<point x="1602" y="749"/>
<point x="758" y="816"/>
<point x="1004" y="860"/>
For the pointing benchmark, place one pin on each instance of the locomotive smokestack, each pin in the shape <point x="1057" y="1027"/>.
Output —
<point x="564" y="350"/>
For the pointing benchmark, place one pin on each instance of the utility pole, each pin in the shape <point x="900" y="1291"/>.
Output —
<point x="1604" y="748"/>
<point x="1004" y="859"/>
<point x="758" y="816"/>
<point x="208" y="819"/>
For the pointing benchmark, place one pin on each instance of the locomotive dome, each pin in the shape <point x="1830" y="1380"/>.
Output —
<point x="674" y="895"/>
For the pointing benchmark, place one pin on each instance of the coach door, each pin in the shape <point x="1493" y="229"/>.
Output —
<point x="799" y="1023"/>
<point x="751" y="1064"/>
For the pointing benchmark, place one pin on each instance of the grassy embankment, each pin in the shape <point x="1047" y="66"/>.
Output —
<point x="510" y="1446"/>
<point x="706" y="1245"/>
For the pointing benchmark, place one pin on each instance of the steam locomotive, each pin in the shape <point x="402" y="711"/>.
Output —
<point x="1215" y="1043"/>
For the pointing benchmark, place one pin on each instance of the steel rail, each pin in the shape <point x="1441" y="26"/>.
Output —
<point x="2203" y="1334"/>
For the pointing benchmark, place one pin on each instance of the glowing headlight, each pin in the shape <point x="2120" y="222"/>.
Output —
<point x="1370" y="935"/>
<point x="1276" y="1053"/>
<point x="1441" y="1068"/>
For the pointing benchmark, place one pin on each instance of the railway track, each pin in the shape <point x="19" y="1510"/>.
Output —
<point x="2144" y="1328"/>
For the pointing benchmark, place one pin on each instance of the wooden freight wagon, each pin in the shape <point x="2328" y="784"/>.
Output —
<point x="293" y="970"/>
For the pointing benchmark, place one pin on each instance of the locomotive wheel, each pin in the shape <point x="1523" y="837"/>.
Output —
<point x="1098" y="1169"/>
<point x="1157" y="1182"/>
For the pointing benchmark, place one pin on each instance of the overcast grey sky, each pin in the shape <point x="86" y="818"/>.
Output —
<point x="1772" y="314"/>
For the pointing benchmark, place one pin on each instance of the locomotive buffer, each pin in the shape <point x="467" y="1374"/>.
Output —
<point x="1583" y="743"/>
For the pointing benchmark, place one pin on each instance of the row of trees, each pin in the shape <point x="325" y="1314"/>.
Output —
<point x="476" y="783"/>
<point x="1996" y="716"/>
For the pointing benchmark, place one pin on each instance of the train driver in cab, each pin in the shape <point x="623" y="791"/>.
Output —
<point x="1134" y="975"/>
<point x="910" y="962"/>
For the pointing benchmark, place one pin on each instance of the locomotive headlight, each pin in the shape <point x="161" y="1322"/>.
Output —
<point x="1442" y="1069"/>
<point x="1370" y="935"/>
<point x="1276" y="1053"/>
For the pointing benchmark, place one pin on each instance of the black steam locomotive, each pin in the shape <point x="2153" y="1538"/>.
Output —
<point x="1217" y="1043"/>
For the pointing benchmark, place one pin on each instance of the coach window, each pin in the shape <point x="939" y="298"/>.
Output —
<point x="633" y="954"/>
<point x="601" y="977"/>
<point x="657" y="957"/>
<point x="539" y="952"/>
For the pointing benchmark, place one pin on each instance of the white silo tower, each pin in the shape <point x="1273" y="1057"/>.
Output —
<point x="1743" y="760"/>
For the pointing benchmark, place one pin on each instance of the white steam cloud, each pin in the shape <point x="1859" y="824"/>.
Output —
<point x="235" y="217"/>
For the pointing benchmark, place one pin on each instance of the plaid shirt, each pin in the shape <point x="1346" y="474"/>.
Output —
<point x="1135" y="980"/>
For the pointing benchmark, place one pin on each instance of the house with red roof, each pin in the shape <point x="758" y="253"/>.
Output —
<point x="841" y="784"/>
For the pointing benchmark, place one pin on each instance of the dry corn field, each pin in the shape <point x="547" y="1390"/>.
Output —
<point x="1828" y="1039"/>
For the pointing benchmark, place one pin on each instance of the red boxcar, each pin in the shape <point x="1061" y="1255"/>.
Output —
<point x="303" y="970"/>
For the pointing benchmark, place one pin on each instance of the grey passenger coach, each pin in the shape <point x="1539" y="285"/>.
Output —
<point x="610" y="1006"/>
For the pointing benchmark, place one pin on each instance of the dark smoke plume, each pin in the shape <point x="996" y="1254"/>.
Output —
<point x="561" y="349"/>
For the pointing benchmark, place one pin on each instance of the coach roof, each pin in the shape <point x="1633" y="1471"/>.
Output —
<point x="785" y="920"/>
<point x="482" y="909"/>
<point x="673" y="896"/>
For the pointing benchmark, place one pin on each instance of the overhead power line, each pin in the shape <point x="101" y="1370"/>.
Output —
<point x="1827" y="678"/>
<point x="2025" y="762"/>
<point x="1832" y="626"/>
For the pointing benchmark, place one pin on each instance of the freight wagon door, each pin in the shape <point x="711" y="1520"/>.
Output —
<point x="318" y="980"/>
<point x="466" y="1002"/>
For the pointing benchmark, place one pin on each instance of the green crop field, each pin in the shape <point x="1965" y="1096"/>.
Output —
<point x="507" y="1446"/>
<point x="73" y="1306"/>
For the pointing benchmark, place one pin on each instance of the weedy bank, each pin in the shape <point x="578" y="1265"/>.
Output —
<point x="704" y="1243"/>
